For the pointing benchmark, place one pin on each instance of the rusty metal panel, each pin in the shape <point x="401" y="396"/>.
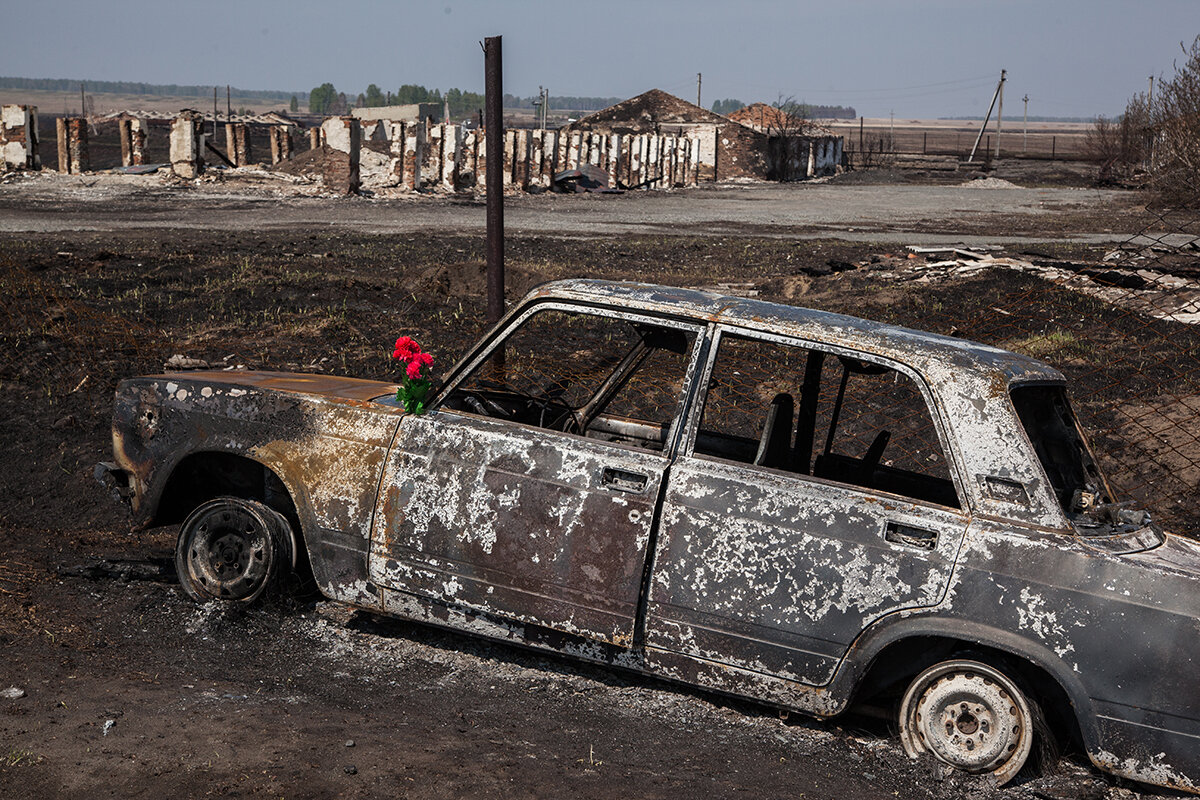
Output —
<point x="777" y="574"/>
<point x="516" y="521"/>
<point x="1124" y="625"/>
<point x="319" y="435"/>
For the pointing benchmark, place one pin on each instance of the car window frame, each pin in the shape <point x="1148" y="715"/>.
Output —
<point x="954" y="463"/>
<point x="694" y="362"/>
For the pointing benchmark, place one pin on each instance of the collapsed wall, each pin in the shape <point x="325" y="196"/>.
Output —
<point x="19" y="138"/>
<point x="425" y="156"/>
<point x="187" y="145"/>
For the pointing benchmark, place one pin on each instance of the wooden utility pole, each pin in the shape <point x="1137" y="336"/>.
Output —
<point x="698" y="89"/>
<point x="228" y="105"/>
<point x="494" y="138"/>
<point x="1025" y="135"/>
<point x="986" y="119"/>
<point x="82" y="102"/>
<point x="214" y="136"/>
<point x="1000" y="112"/>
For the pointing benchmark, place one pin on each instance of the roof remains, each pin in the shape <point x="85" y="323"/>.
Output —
<point x="770" y="119"/>
<point x="649" y="112"/>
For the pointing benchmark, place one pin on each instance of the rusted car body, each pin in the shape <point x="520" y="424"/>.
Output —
<point x="784" y="504"/>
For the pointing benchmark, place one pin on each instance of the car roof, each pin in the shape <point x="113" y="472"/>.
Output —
<point x="919" y="349"/>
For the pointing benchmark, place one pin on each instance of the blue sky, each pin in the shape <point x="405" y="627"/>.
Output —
<point x="921" y="58"/>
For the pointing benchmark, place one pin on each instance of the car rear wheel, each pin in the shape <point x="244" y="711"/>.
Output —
<point x="970" y="716"/>
<point x="233" y="549"/>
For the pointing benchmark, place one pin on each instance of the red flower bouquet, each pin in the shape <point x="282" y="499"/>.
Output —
<point x="414" y="389"/>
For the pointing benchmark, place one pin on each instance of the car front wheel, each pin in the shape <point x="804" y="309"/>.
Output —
<point x="970" y="716"/>
<point x="232" y="549"/>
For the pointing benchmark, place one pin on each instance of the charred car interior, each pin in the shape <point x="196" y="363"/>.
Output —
<point x="793" y="506"/>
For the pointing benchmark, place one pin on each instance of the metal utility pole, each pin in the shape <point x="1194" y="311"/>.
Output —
<point x="1000" y="113"/>
<point x="698" y="89"/>
<point x="545" y="107"/>
<point x="1025" y="136"/>
<point x="494" y="138"/>
<point x="987" y="118"/>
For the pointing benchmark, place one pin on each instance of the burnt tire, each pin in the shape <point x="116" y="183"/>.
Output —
<point x="233" y="549"/>
<point x="971" y="716"/>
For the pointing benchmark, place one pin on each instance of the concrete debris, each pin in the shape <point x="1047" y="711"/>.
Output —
<point x="989" y="183"/>
<point x="1156" y="294"/>
<point x="12" y="693"/>
<point x="182" y="362"/>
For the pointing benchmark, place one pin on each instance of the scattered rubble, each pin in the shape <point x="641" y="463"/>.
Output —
<point x="989" y="183"/>
<point x="1149" y="292"/>
<point x="181" y="362"/>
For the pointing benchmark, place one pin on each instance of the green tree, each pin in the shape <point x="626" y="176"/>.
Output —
<point x="295" y="104"/>
<point x="322" y="99"/>
<point x="727" y="106"/>
<point x="374" y="97"/>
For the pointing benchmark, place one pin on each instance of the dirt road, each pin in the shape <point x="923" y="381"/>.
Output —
<point x="857" y="211"/>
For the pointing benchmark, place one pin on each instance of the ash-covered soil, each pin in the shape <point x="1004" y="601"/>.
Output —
<point x="130" y="690"/>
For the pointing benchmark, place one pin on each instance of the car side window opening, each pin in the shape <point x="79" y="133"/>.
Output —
<point x="603" y="377"/>
<point x="830" y="416"/>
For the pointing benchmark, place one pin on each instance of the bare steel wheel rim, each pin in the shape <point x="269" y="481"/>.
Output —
<point x="970" y="716"/>
<point x="229" y="552"/>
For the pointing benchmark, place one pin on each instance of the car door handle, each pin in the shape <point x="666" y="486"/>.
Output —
<point x="624" y="481"/>
<point x="910" y="536"/>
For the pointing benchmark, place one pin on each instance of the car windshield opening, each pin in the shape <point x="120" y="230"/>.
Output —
<point x="1075" y="478"/>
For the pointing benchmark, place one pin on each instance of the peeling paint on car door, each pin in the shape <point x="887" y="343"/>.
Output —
<point x="777" y="574"/>
<point x="532" y="525"/>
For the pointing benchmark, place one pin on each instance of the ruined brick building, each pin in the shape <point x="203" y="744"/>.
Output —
<point x="741" y="152"/>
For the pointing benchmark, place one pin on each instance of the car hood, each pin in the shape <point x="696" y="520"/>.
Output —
<point x="330" y="386"/>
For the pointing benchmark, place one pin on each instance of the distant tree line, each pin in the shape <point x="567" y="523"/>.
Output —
<point x="799" y="110"/>
<point x="133" y="87"/>
<point x="810" y="111"/>
<point x="324" y="99"/>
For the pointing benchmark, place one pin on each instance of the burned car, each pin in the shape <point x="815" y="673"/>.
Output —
<point x="789" y="505"/>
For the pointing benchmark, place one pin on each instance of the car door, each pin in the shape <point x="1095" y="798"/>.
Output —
<point x="529" y="492"/>
<point x="787" y="526"/>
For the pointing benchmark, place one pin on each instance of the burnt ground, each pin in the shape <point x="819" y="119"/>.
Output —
<point x="131" y="690"/>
